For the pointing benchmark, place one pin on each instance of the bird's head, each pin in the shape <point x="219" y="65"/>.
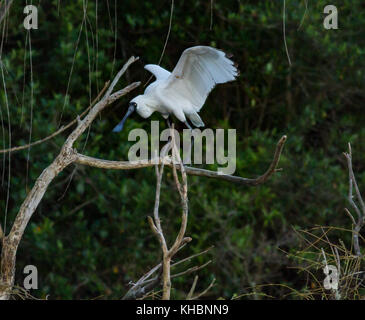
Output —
<point x="138" y="104"/>
<point x="142" y="107"/>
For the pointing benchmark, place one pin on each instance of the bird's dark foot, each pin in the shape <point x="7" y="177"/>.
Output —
<point x="188" y="125"/>
<point x="168" y="122"/>
<point x="192" y="137"/>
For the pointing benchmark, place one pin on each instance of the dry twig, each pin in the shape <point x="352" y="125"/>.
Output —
<point x="360" y="210"/>
<point x="69" y="155"/>
<point x="127" y="165"/>
<point x="60" y="130"/>
<point x="145" y="285"/>
<point x="66" y="156"/>
<point x="155" y="223"/>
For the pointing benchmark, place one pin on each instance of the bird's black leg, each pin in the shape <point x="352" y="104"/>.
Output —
<point x="191" y="130"/>
<point x="168" y="121"/>
<point x="169" y="125"/>
<point x="188" y="125"/>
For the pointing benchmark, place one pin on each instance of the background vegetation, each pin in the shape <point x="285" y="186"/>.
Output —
<point x="90" y="237"/>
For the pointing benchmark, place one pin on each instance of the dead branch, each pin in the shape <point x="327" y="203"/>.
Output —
<point x="360" y="211"/>
<point x="69" y="155"/>
<point x="203" y="292"/>
<point x="66" y="156"/>
<point x="145" y="285"/>
<point x="192" y="256"/>
<point x="192" y="289"/>
<point x="155" y="223"/>
<point x="60" y="130"/>
<point x="191" y="270"/>
<point x="128" y="165"/>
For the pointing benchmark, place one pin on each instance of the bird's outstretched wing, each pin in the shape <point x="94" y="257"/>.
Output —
<point x="157" y="71"/>
<point x="198" y="70"/>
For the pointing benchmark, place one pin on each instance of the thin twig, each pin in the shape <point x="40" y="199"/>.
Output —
<point x="168" y="32"/>
<point x="191" y="257"/>
<point x="360" y="211"/>
<point x="144" y="285"/>
<point x="60" y="130"/>
<point x="304" y="15"/>
<point x="205" y="291"/>
<point x="166" y="40"/>
<point x="191" y="292"/>
<point x="284" y="34"/>
<point x="155" y="224"/>
<point x="190" y="270"/>
<point x="66" y="156"/>
<point x="351" y="216"/>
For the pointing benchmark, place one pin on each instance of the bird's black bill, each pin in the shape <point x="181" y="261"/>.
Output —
<point x="120" y="125"/>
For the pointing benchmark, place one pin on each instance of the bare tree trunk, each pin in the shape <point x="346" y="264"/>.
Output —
<point x="11" y="242"/>
<point x="166" y="278"/>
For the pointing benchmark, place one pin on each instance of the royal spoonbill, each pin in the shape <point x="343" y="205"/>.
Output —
<point x="183" y="91"/>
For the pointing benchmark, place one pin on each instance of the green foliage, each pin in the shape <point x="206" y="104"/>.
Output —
<point x="89" y="236"/>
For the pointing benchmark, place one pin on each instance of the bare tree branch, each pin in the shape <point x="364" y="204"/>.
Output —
<point x="156" y="224"/>
<point x="127" y="165"/>
<point x="203" y="292"/>
<point x="192" y="289"/>
<point x="191" y="257"/>
<point x="190" y="270"/>
<point x="66" y="156"/>
<point x="360" y="211"/>
<point x="69" y="155"/>
<point x="144" y="285"/>
<point x="60" y="130"/>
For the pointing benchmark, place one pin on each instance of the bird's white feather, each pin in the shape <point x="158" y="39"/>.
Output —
<point x="157" y="71"/>
<point x="197" y="72"/>
<point x="183" y="91"/>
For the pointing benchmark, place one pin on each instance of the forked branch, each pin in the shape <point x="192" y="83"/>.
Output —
<point x="69" y="155"/>
<point x="66" y="156"/>
<point x="360" y="210"/>
<point x="155" y="223"/>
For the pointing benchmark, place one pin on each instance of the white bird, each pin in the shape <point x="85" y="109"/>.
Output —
<point x="183" y="91"/>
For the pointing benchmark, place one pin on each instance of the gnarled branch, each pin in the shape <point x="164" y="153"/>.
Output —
<point x="60" y="130"/>
<point x="69" y="155"/>
<point x="128" y="165"/>
<point x="66" y="156"/>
